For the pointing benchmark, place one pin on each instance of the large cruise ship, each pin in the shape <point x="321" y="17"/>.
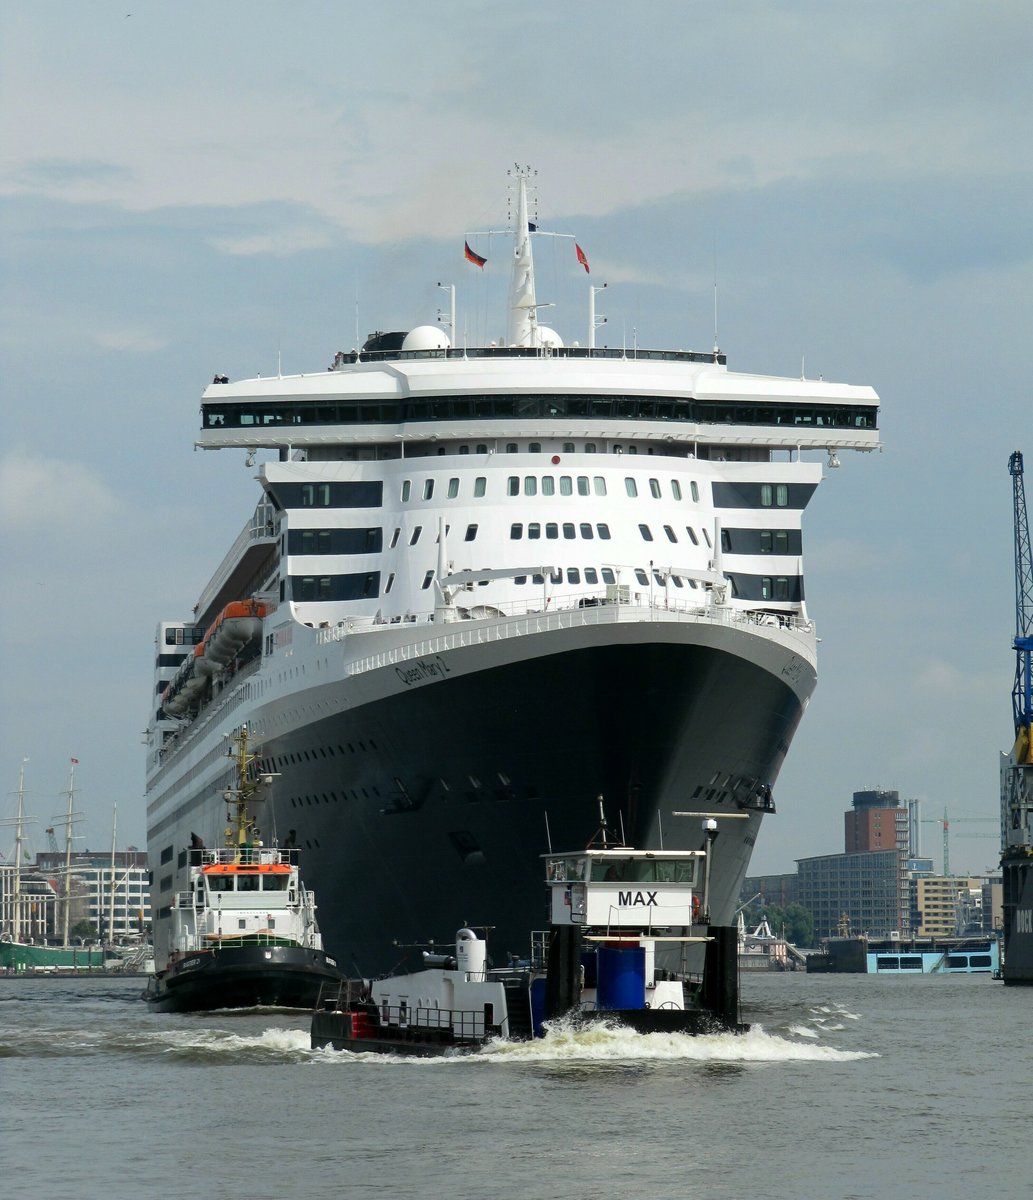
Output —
<point x="482" y="586"/>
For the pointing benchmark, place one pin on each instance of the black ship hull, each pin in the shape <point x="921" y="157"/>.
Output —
<point x="1017" y="878"/>
<point x="433" y="805"/>
<point x="242" y="977"/>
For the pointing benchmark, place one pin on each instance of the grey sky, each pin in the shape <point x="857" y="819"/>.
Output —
<point x="197" y="187"/>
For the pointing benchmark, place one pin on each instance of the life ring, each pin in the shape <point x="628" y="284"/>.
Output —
<point x="695" y="907"/>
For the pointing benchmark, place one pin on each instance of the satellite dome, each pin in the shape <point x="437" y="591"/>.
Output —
<point x="548" y="337"/>
<point x="426" y="337"/>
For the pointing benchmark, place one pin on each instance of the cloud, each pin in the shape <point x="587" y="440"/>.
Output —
<point x="50" y="497"/>
<point x="49" y="175"/>
<point x="130" y="340"/>
<point x="280" y="243"/>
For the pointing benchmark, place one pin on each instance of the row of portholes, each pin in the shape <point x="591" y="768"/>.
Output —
<point x="294" y="760"/>
<point x="332" y="797"/>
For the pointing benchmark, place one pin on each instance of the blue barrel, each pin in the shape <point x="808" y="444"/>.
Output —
<point x="538" y="1006"/>
<point x="622" y="977"/>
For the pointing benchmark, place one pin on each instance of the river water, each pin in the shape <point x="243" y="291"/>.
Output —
<point x="846" y="1088"/>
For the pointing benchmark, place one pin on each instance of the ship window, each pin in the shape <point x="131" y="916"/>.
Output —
<point x="608" y="575"/>
<point x="694" y="489"/>
<point x="781" y="588"/>
<point x="633" y="449"/>
<point x="516" y="532"/>
<point x="464" y="449"/>
<point x="566" y="486"/>
<point x="599" y="483"/>
<point x="781" y="541"/>
<point x="315" y="495"/>
<point x="568" y="447"/>
<point x="766" y="541"/>
<point x="534" y="530"/>
<point x="471" y="533"/>
<point x="482" y="448"/>
<point x="726" y="540"/>
<point x="582" y="485"/>
<point x="641" y="576"/>
<point x="427" y="580"/>
<point x="512" y="447"/>
<point x="603" y="531"/>
<point x="671" y="535"/>
<point x="390" y="582"/>
<point x="534" y="447"/>
<point x="647" y="534"/>
<point x="414" y="537"/>
<point x="478" y="485"/>
<point x="782" y="495"/>
<point x="394" y="538"/>
<point x="654" y="488"/>
<point x="676" y="489"/>
<point x="568" y="530"/>
<point x="692" y="535"/>
<point x="548" y="485"/>
<point x="453" y="488"/>
<point x="556" y="577"/>
<point x="573" y="575"/>
<point x="513" y="485"/>
<point x="587" y="531"/>
<point x="676" y="580"/>
<point x="406" y="489"/>
<point x="765" y="588"/>
<point x="539" y="579"/>
<point x="706" y="538"/>
<point x="630" y="486"/>
<point x="552" y="530"/>
<point x="591" y="575"/>
<point x="765" y="495"/>
<point x="530" y="485"/>
<point x="520" y="579"/>
<point x="589" y="447"/>
<point x="659" y="579"/>
<point x="428" y="488"/>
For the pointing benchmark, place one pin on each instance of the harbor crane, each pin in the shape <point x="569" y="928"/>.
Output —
<point x="945" y="823"/>
<point x="1017" y="767"/>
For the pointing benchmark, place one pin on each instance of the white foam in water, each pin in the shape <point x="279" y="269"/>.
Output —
<point x="284" y="1041"/>
<point x="601" y="1041"/>
<point x="804" y="1031"/>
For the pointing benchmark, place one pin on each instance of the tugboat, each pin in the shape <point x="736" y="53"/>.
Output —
<point x="630" y="941"/>
<point x="244" y="933"/>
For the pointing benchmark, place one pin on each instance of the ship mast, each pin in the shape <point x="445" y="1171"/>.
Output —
<point x="523" y="309"/>
<point x="242" y="830"/>
<point x="16" y="924"/>
<point x="68" y="853"/>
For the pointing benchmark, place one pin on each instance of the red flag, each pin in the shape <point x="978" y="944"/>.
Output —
<point x="75" y="760"/>
<point x="581" y="258"/>
<point x="474" y="258"/>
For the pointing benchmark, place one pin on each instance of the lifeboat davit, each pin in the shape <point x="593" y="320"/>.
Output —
<point x="229" y="633"/>
<point x="232" y="629"/>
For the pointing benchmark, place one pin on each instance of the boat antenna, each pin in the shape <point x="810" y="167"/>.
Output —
<point x="601" y="840"/>
<point x="548" y="833"/>
<point x="717" y="346"/>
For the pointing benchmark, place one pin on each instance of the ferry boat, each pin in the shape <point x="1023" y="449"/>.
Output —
<point x="623" y="927"/>
<point x="484" y="584"/>
<point x="244" y="932"/>
<point x="860" y="955"/>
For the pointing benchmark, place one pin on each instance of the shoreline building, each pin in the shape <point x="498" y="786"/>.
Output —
<point x="119" y="897"/>
<point x="867" y="888"/>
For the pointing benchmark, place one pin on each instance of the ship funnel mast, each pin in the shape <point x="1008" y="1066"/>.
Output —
<point x="523" y="309"/>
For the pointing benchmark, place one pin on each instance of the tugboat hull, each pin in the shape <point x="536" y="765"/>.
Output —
<point x="243" y="977"/>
